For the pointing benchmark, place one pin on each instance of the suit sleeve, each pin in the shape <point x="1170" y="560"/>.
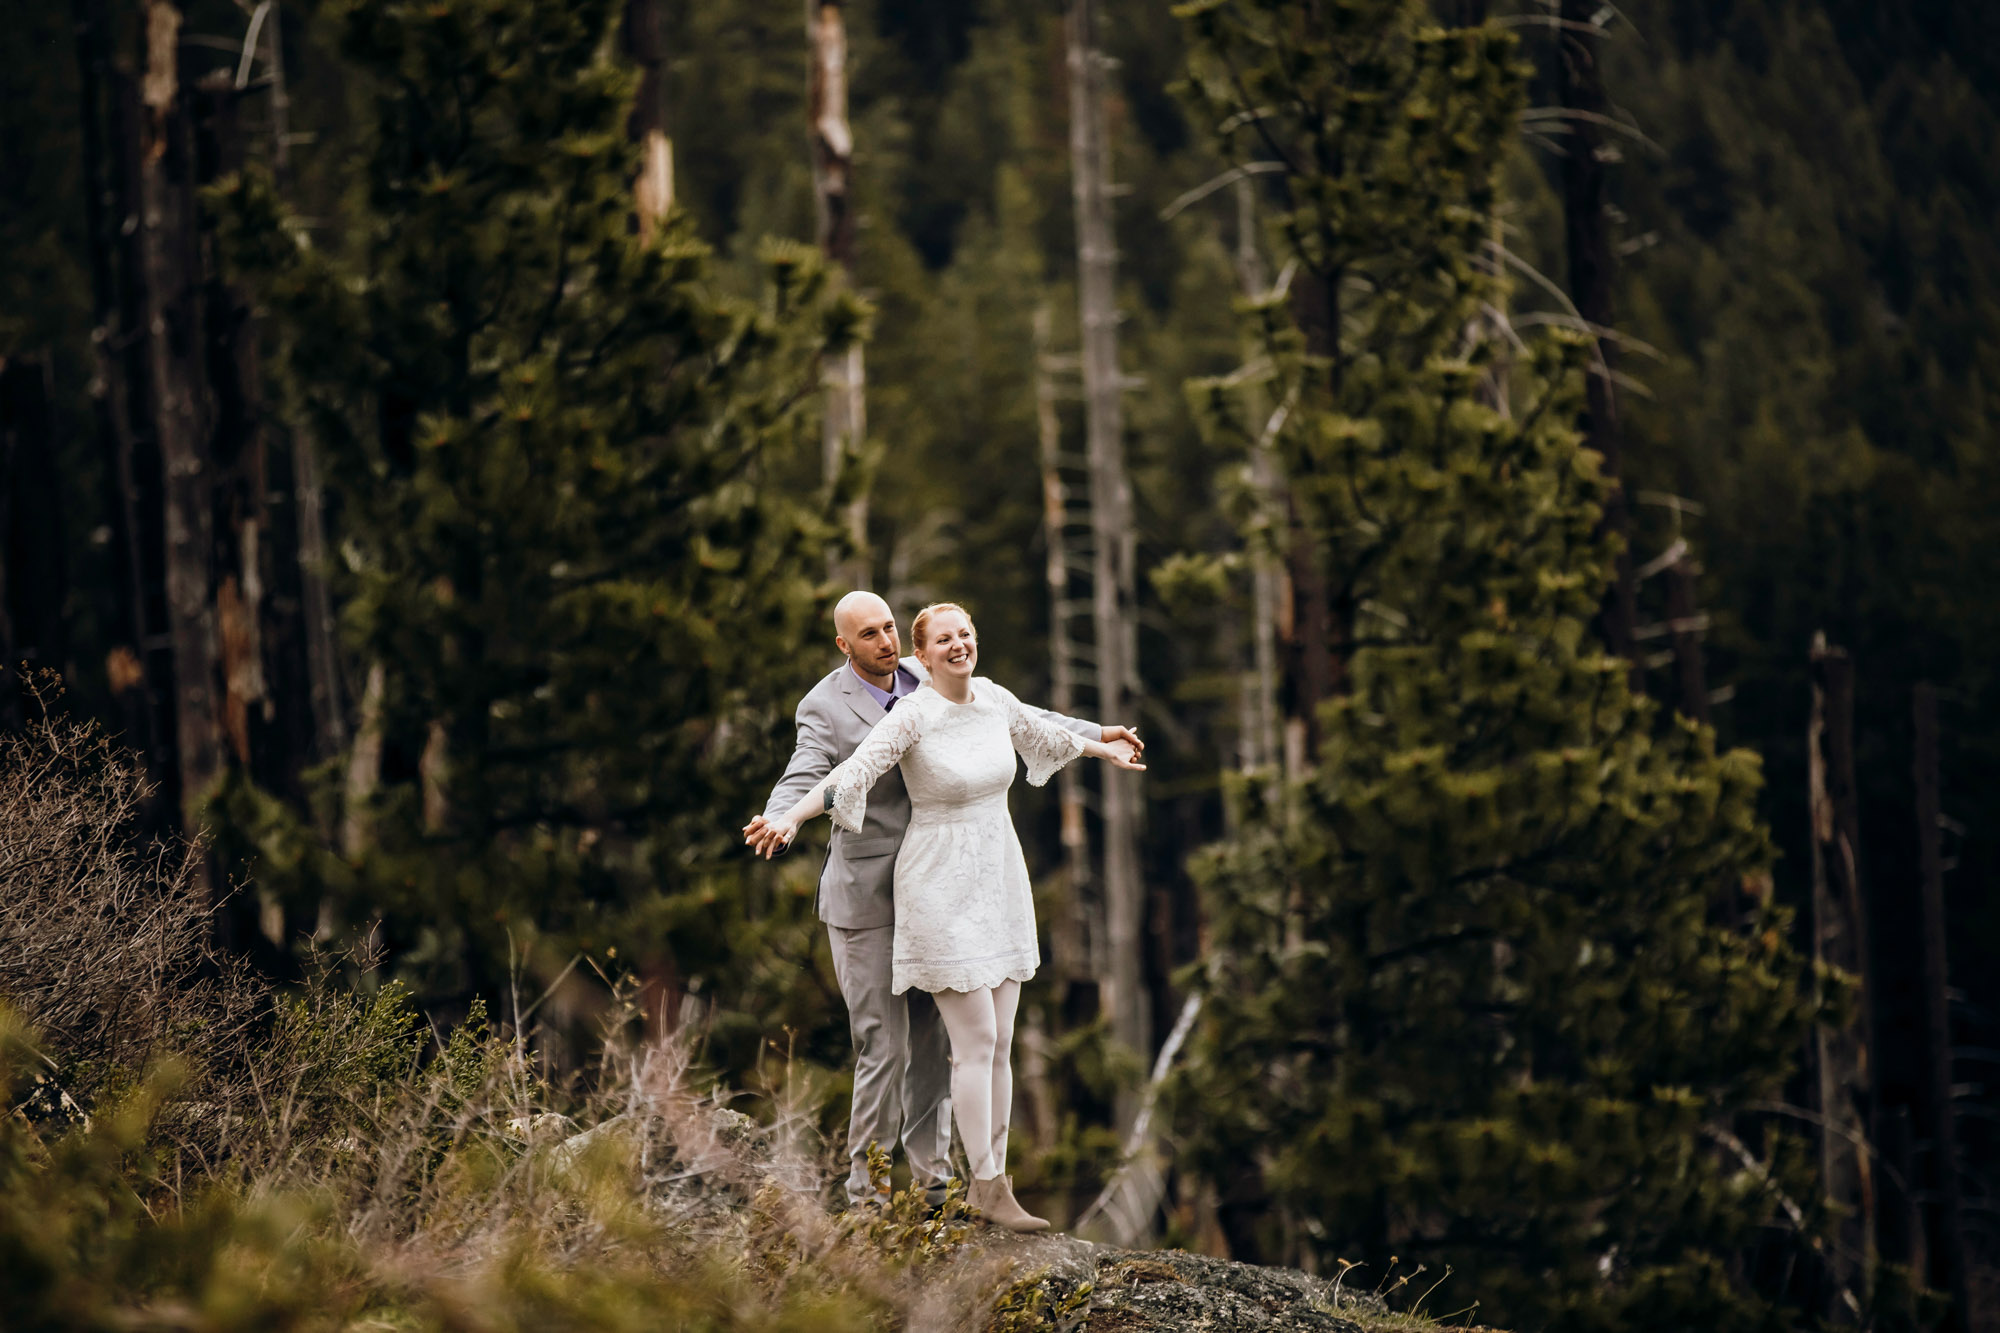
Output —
<point x="1090" y="731"/>
<point x="812" y="759"/>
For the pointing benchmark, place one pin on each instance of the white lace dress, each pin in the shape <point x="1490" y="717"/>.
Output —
<point x="965" y="916"/>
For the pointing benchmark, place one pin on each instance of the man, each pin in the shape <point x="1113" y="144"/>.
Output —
<point x="902" y="1060"/>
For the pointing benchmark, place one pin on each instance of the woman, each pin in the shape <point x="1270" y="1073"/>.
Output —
<point x="965" y="917"/>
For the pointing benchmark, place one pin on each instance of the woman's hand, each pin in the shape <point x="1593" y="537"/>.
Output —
<point x="1122" y="752"/>
<point x="768" y="837"/>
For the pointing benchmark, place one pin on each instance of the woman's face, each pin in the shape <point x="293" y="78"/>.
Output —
<point x="949" y="648"/>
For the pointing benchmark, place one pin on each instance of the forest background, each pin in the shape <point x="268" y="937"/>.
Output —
<point x="1801" y="199"/>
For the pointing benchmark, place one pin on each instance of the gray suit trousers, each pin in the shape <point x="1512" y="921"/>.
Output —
<point x="902" y="1063"/>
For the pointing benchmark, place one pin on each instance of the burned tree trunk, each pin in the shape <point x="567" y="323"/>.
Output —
<point x="170" y="254"/>
<point x="1845" y="1092"/>
<point x="1944" y="1223"/>
<point x="1587" y="235"/>
<point x="1113" y="541"/>
<point x="845" y="423"/>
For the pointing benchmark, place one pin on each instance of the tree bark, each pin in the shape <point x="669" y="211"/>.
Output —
<point x="1684" y="621"/>
<point x="175" y="325"/>
<point x="845" y="421"/>
<point x="316" y="601"/>
<point x="1591" y="275"/>
<point x="1114" y="545"/>
<point x="120" y="401"/>
<point x="1070" y="936"/>
<point x="1945" y="1223"/>
<point x="1845" y="1078"/>
<point x="364" y="767"/>
<point x="646" y="44"/>
<point x="34" y="577"/>
<point x="304" y="681"/>
<point x="240" y="475"/>
<point x="1258" y="751"/>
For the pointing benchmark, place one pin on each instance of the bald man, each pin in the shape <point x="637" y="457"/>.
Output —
<point x="902" y="1059"/>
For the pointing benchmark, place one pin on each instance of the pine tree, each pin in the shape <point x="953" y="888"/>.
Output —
<point x="575" y="502"/>
<point x="1468" y="1001"/>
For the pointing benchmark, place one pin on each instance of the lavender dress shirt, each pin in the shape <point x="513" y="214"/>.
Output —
<point x="904" y="682"/>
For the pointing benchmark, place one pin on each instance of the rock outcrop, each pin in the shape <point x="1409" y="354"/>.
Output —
<point x="1012" y="1284"/>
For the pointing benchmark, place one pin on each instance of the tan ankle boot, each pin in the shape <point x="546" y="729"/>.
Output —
<point x="1035" y="1223"/>
<point x="994" y="1199"/>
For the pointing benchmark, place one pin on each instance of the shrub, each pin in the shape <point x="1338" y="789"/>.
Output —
<point x="105" y="940"/>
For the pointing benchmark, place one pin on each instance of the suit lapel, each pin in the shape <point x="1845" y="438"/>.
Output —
<point x="860" y="700"/>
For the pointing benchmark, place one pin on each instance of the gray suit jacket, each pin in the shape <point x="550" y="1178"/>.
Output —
<point x="834" y="718"/>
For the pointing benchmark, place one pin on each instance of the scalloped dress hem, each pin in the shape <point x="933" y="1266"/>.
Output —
<point x="931" y="978"/>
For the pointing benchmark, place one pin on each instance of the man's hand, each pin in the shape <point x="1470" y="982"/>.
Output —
<point x="768" y="837"/>
<point x="1111" y="734"/>
<point x="1124" y="753"/>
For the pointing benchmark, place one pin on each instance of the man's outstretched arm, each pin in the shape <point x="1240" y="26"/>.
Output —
<point x="1092" y="731"/>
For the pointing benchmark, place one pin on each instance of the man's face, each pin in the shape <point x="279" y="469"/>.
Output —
<point x="869" y="637"/>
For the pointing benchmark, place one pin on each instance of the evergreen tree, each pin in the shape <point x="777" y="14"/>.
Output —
<point x="1814" y="257"/>
<point x="1468" y="1000"/>
<point x="575" y="504"/>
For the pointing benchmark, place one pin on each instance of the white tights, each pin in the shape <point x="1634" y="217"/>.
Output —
<point x="981" y="1026"/>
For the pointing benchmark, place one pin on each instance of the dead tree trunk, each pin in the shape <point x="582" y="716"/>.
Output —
<point x="646" y="44"/>
<point x="1258" y="752"/>
<point x="34" y="577"/>
<point x="1591" y="274"/>
<point x="316" y="597"/>
<point x="1313" y="630"/>
<point x="281" y="97"/>
<point x="845" y="422"/>
<point x="310" y="643"/>
<point x="1840" y="940"/>
<point x="175" y="325"/>
<point x="364" y="767"/>
<point x="1069" y="941"/>
<point x="260" y="634"/>
<point x="1945" y="1225"/>
<point x="1113" y="542"/>
<point x="1684" y="622"/>
<point x="1074" y="933"/>
<point x="240" y="475"/>
<point x="139" y="675"/>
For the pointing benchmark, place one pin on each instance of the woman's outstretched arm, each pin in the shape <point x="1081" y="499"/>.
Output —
<point x="1047" y="746"/>
<point x="844" y="791"/>
<point x="1124" y="753"/>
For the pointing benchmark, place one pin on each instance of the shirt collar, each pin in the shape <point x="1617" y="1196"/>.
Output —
<point x="903" y="681"/>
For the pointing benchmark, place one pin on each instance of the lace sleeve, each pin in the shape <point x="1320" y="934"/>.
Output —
<point x="1045" y="746"/>
<point x="848" y="785"/>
